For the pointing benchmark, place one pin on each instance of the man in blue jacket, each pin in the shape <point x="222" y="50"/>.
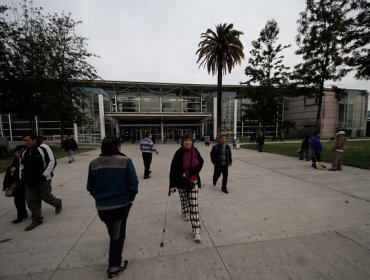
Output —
<point x="113" y="183"/>
<point x="316" y="147"/>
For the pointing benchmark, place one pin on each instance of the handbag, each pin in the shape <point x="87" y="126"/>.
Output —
<point x="11" y="190"/>
<point x="186" y="183"/>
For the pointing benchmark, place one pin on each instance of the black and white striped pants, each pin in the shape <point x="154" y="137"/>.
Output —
<point x="189" y="203"/>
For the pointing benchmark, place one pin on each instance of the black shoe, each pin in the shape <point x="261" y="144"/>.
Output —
<point x="58" y="208"/>
<point x="225" y="190"/>
<point x="17" y="220"/>
<point x="214" y="183"/>
<point x="112" y="274"/>
<point x="34" y="224"/>
<point x="146" y="177"/>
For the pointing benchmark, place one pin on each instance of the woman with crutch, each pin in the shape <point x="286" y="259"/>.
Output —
<point x="184" y="176"/>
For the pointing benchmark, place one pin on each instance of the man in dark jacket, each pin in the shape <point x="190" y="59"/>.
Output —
<point x="69" y="145"/>
<point x="36" y="171"/>
<point x="113" y="183"/>
<point x="221" y="159"/>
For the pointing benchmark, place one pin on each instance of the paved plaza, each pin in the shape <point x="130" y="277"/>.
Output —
<point x="281" y="220"/>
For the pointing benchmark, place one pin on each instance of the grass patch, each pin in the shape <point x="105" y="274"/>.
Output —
<point x="356" y="153"/>
<point x="58" y="153"/>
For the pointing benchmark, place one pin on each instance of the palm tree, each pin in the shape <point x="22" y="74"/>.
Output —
<point x="220" y="51"/>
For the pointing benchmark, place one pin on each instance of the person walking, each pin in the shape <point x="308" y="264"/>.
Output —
<point x="184" y="176"/>
<point x="305" y="146"/>
<point x="69" y="145"/>
<point x="221" y="159"/>
<point x="113" y="183"/>
<point x="36" y="170"/>
<point x="11" y="177"/>
<point x="147" y="148"/>
<point x="261" y="142"/>
<point x="4" y="147"/>
<point x="336" y="163"/>
<point x="316" y="148"/>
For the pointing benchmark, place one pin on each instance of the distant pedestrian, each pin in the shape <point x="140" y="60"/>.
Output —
<point x="305" y="146"/>
<point x="316" y="148"/>
<point x="70" y="146"/>
<point x="221" y="159"/>
<point x="4" y="147"/>
<point x="336" y="163"/>
<point x="113" y="183"/>
<point x="184" y="176"/>
<point x="261" y="142"/>
<point x="147" y="148"/>
<point x="36" y="170"/>
<point x="12" y="177"/>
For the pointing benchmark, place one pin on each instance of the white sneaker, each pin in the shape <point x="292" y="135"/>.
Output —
<point x="197" y="237"/>
<point x="186" y="217"/>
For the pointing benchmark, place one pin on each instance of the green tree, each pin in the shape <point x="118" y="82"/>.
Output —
<point x="45" y="56"/>
<point x="358" y="38"/>
<point x="219" y="52"/>
<point x="67" y="62"/>
<point x="269" y="77"/>
<point x="321" y="29"/>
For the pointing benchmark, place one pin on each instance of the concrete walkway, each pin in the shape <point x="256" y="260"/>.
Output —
<point x="281" y="220"/>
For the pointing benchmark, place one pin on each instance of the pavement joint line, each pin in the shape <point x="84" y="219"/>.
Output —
<point x="300" y="179"/>
<point x="72" y="247"/>
<point x="216" y="248"/>
<point x="350" y="239"/>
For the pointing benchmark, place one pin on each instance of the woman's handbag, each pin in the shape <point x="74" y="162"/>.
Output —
<point x="11" y="190"/>
<point x="186" y="183"/>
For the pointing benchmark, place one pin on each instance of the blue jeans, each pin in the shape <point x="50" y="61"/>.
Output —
<point x="115" y="221"/>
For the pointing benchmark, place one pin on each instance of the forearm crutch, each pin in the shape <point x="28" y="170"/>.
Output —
<point x="165" y="217"/>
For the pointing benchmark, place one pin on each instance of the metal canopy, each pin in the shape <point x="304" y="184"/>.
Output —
<point x="136" y="117"/>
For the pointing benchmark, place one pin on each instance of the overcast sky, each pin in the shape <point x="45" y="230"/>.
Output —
<point x="156" y="40"/>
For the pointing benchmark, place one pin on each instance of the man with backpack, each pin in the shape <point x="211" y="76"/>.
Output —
<point x="36" y="170"/>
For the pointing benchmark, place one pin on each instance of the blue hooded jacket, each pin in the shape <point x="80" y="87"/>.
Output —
<point x="112" y="181"/>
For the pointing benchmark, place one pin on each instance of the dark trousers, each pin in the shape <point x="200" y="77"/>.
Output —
<point x="302" y="153"/>
<point x="147" y="158"/>
<point x="315" y="157"/>
<point x="35" y="195"/>
<point x="218" y="170"/>
<point x="115" y="221"/>
<point x="20" y="201"/>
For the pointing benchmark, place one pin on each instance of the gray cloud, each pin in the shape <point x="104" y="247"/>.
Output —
<point x="156" y="40"/>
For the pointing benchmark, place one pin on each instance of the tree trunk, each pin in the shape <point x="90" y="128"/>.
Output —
<point x="219" y="100"/>
<point x="318" y="116"/>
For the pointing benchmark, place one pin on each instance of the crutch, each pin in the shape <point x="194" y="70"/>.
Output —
<point x="165" y="217"/>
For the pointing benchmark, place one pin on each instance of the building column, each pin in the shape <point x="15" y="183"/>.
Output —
<point x="117" y="130"/>
<point x="10" y="127"/>
<point x="1" y="126"/>
<point x="235" y="118"/>
<point x="101" y="116"/>
<point x="162" y="130"/>
<point x="215" y="117"/>
<point x="75" y="132"/>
